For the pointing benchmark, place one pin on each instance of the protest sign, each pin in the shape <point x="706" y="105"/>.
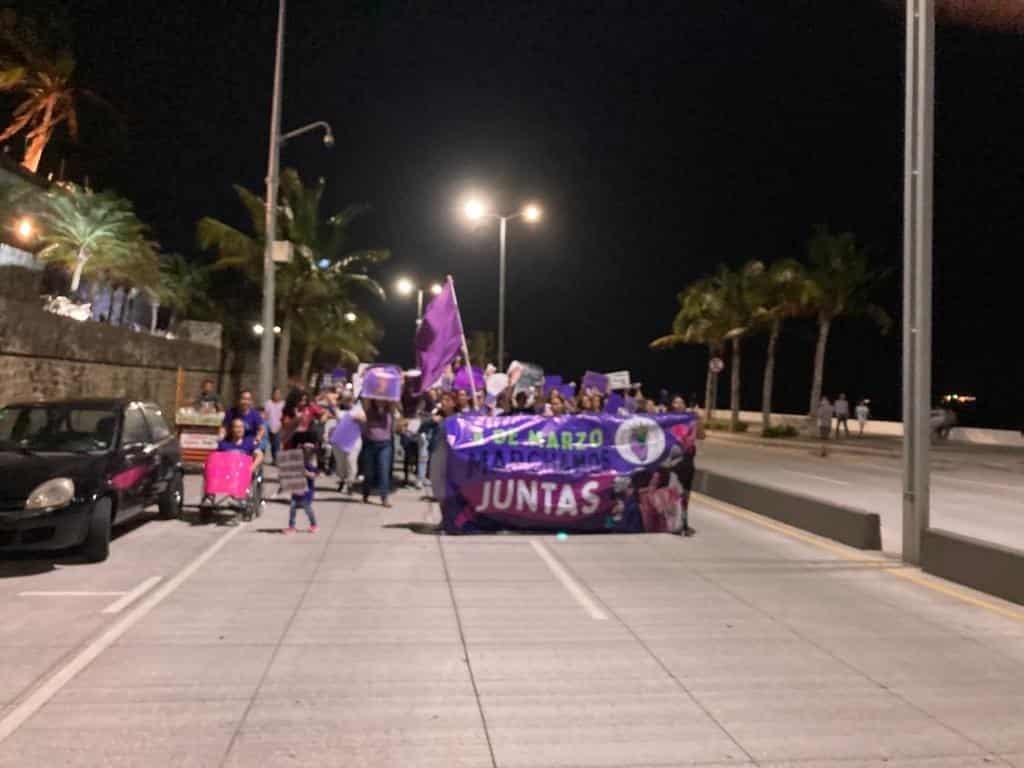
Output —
<point x="614" y="402"/>
<point x="618" y="380"/>
<point x="347" y="432"/>
<point x="291" y="471"/>
<point x="462" y="379"/>
<point x="496" y="383"/>
<point x="525" y="376"/>
<point x="595" y="381"/>
<point x="382" y="382"/>
<point x="551" y="381"/>
<point x="588" y="472"/>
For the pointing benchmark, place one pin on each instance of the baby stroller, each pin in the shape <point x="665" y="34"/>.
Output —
<point x="230" y="488"/>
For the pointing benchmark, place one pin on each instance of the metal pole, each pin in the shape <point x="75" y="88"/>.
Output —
<point x="419" y="307"/>
<point x="917" y="272"/>
<point x="267" y="339"/>
<point x="501" y="292"/>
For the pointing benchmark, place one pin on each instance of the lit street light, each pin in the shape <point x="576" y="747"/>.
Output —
<point x="476" y="210"/>
<point x="270" y="227"/>
<point x="350" y="317"/>
<point x="25" y="229"/>
<point x="257" y="329"/>
<point x="404" y="286"/>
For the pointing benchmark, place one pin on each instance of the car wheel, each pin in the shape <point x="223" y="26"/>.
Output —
<point x="172" y="499"/>
<point x="96" y="546"/>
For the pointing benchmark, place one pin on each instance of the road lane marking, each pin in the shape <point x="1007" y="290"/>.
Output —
<point x="898" y="569"/>
<point x="1019" y="488"/>
<point x="16" y="716"/>
<point x="70" y="594"/>
<point x="130" y="597"/>
<point x="816" y="477"/>
<point x="571" y="585"/>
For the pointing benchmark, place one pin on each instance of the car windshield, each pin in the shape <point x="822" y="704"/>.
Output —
<point x="57" y="428"/>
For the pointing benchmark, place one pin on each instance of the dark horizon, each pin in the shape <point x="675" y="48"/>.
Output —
<point x="660" y="144"/>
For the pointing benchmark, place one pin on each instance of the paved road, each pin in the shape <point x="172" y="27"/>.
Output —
<point x="979" y="498"/>
<point x="370" y="644"/>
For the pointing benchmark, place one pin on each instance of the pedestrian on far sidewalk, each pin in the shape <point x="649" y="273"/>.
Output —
<point x="825" y="413"/>
<point x="842" y="408"/>
<point x="305" y="500"/>
<point x="273" y="409"/>
<point x="863" y="412"/>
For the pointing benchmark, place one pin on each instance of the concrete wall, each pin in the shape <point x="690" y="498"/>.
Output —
<point x="43" y="355"/>
<point x="849" y="526"/>
<point x="981" y="565"/>
<point x="974" y="435"/>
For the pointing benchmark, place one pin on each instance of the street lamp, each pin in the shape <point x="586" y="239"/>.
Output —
<point x="270" y="226"/>
<point x="350" y="317"/>
<point x="257" y="329"/>
<point x="404" y="286"/>
<point x="476" y="209"/>
<point x="25" y="229"/>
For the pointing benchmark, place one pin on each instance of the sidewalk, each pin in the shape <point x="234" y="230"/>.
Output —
<point x="370" y="645"/>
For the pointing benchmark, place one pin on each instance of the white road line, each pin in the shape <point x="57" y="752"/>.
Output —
<point x="571" y="585"/>
<point x="28" y="706"/>
<point x="816" y="477"/>
<point x="130" y="597"/>
<point x="71" y="594"/>
<point x="948" y="479"/>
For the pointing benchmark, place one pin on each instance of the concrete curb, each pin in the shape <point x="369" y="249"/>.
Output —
<point x="847" y="526"/>
<point x="990" y="568"/>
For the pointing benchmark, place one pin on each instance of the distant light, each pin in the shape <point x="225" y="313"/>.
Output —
<point x="350" y="317"/>
<point x="532" y="212"/>
<point x="475" y="209"/>
<point x="277" y="329"/>
<point x="404" y="286"/>
<point x="258" y="329"/>
<point x="323" y="263"/>
<point x="561" y="535"/>
<point x="25" y="229"/>
<point x="436" y="289"/>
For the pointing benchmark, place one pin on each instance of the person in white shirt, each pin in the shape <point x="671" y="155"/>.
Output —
<point x="862" y="412"/>
<point x="272" y="410"/>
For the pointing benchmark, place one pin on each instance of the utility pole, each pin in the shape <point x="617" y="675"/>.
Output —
<point x="917" y="272"/>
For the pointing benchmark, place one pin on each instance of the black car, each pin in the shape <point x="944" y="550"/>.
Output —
<point x="69" y="470"/>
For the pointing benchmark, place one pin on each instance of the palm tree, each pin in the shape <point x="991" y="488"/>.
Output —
<point x="839" y="281"/>
<point x="330" y="328"/>
<point x="45" y="79"/>
<point x="737" y="290"/>
<point x="778" y="294"/>
<point x="184" y="285"/>
<point x="321" y="262"/>
<point x="99" y="232"/>
<point x="702" y="319"/>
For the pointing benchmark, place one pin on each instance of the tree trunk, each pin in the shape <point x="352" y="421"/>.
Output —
<point x="307" y="359"/>
<point x="284" y="348"/>
<point x="769" y="376"/>
<point x="824" y="324"/>
<point x="76" y="276"/>
<point x="734" y="393"/>
<point x="154" y="310"/>
<point x="36" y="145"/>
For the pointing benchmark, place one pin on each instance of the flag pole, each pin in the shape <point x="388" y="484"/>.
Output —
<point x="465" y="347"/>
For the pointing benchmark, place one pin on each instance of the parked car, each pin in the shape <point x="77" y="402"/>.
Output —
<point x="70" y="470"/>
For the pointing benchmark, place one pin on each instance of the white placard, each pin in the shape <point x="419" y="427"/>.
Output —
<point x="618" y="380"/>
<point x="292" y="471"/>
<point x="203" y="441"/>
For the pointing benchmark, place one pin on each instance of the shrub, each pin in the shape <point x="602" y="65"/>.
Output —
<point x="781" y="430"/>
<point x="720" y="425"/>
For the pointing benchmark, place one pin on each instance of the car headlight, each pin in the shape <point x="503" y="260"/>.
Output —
<point x="52" y="494"/>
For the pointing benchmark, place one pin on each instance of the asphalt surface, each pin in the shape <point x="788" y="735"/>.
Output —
<point x="372" y="644"/>
<point x="976" y="491"/>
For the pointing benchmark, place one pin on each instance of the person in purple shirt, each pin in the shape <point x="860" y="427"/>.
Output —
<point x="250" y="417"/>
<point x="237" y="440"/>
<point x="377" y="420"/>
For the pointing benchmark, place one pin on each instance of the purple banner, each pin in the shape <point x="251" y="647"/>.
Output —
<point x="588" y="472"/>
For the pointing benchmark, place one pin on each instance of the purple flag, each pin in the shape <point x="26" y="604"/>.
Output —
<point x="439" y="337"/>
<point x="462" y="379"/>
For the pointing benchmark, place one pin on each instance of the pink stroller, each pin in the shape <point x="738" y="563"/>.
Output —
<point x="229" y="486"/>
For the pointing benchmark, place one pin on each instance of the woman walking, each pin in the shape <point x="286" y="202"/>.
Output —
<point x="378" y="426"/>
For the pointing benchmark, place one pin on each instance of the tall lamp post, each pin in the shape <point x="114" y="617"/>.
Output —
<point x="270" y="222"/>
<point x="477" y="210"/>
<point x="917" y="272"/>
<point x="405" y="287"/>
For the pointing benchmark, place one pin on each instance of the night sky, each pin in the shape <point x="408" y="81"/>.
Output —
<point x="661" y="138"/>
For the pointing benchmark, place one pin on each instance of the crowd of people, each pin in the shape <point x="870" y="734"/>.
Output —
<point x="304" y="420"/>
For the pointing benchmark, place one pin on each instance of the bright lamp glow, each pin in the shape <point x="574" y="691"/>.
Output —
<point x="474" y="209"/>
<point x="350" y="317"/>
<point x="404" y="286"/>
<point x="436" y="289"/>
<point x="532" y="212"/>
<point x="257" y="328"/>
<point x="25" y="228"/>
